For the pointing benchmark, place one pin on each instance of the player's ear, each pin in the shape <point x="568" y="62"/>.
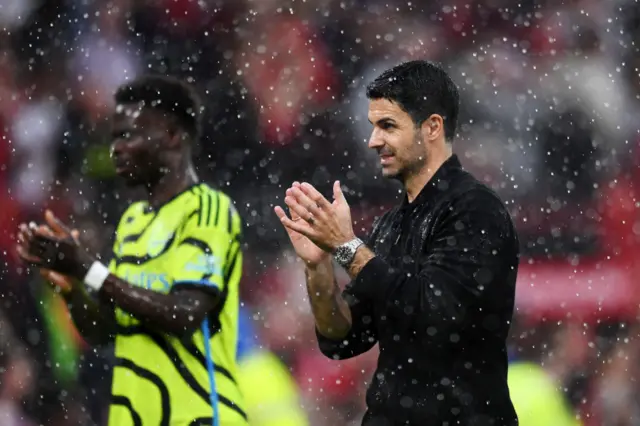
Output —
<point x="177" y="136"/>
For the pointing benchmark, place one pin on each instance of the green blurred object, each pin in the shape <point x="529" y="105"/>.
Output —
<point x="63" y="349"/>
<point x="536" y="397"/>
<point x="98" y="162"/>
<point x="270" y="393"/>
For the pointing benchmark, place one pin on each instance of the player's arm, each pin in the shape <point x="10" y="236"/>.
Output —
<point x="344" y="324"/>
<point x="94" y="319"/>
<point x="330" y="310"/>
<point x="178" y="312"/>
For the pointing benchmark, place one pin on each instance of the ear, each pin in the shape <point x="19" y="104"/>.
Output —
<point x="177" y="136"/>
<point x="433" y="128"/>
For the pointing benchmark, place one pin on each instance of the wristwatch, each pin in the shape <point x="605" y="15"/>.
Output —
<point x="345" y="253"/>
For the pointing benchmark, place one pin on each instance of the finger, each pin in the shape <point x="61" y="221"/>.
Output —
<point x="56" y="224"/>
<point x="307" y="202"/>
<point x="43" y="230"/>
<point x="58" y="280"/>
<point x="25" y="231"/>
<point x="279" y="212"/>
<point x="28" y="257"/>
<point x="22" y="238"/>
<point x="338" y="195"/>
<point x="289" y="193"/>
<point x="75" y="234"/>
<point x="300" y="226"/>
<point x="315" y="195"/>
<point x="298" y="208"/>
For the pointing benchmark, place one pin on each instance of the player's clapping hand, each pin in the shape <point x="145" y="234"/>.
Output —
<point x="55" y="248"/>
<point x="326" y="224"/>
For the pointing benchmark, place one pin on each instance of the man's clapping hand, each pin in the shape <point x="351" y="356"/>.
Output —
<point x="316" y="226"/>
<point x="56" y="250"/>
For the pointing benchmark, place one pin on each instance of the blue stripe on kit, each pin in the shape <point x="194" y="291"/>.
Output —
<point x="212" y="380"/>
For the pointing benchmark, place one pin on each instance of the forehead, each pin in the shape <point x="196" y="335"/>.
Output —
<point x="131" y="115"/>
<point x="384" y="108"/>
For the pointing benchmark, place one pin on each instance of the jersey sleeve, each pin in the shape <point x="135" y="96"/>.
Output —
<point x="208" y="246"/>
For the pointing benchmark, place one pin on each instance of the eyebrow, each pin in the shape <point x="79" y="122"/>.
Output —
<point x="383" y="120"/>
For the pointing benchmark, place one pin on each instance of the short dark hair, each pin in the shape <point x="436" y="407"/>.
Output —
<point x="421" y="88"/>
<point x="165" y="94"/>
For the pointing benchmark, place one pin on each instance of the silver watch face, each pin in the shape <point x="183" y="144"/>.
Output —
<point x="342" y="254"/>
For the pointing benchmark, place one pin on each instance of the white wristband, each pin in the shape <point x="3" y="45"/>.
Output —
<point x="96" y="275"/>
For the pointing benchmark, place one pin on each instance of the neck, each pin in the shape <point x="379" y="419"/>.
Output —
<point x="413" y="184"/>
<point x="170" y="185"/>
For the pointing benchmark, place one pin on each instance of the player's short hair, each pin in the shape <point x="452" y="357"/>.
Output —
<point x="420" y="88"/>
<point x="166" y="94"/>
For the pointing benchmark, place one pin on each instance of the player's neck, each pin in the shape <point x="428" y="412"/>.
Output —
<point x="170" y="185"/>
<point x="413" y="184"/>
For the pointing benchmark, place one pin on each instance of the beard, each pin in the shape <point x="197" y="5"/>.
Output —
<point x="411" y="161"/>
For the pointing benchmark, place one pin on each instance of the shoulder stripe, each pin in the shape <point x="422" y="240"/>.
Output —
<point x="218" y="206"/>
<point x="207" y="217"/>
<point x="126" y="403"/>
<point x="230" y="217"/>
<point x="230" y="265"/>
<point x="200" y="209"/>
<point x="153" y="378"/>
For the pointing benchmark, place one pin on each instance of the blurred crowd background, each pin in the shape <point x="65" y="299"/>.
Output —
<point x="550" y="98"/>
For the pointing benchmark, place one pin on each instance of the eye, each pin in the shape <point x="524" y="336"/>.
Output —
<point x="387" y="126"/>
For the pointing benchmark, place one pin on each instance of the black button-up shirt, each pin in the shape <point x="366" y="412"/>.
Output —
<point x="438" y="298"/>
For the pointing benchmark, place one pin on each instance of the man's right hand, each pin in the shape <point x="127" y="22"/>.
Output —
<point x="306" y="250"/>
<point x="55" y="228"/>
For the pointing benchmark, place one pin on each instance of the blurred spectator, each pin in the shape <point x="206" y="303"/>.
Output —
<point x="260" y="369"/>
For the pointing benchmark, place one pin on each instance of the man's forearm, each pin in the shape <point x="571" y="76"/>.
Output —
<point x="95" y="323"/>
<point x="179" y="313"/>
<point x="330" y="310"/>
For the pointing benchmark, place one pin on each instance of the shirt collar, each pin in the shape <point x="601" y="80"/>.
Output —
<point x="439" y="182"/>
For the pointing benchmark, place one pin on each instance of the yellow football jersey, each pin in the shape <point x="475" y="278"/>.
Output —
<point x="160" y="379"/>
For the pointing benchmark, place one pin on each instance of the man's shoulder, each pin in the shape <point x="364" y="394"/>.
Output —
<point x="468" y="189"/>
<point x="132" y="212"/>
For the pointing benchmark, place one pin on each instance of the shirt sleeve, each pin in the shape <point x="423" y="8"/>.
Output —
<point x="469" y="265"/>
<point x="208" y="249"/>
<point x="363" y="335"/>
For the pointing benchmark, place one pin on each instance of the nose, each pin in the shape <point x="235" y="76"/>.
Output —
<point x="375" y="141"/>
<point x="117" y="146"/>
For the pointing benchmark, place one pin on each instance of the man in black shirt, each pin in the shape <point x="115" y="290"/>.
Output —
<point x="434" y="285"/>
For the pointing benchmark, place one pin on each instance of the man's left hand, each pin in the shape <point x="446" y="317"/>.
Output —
<point x="326" y="224"/>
